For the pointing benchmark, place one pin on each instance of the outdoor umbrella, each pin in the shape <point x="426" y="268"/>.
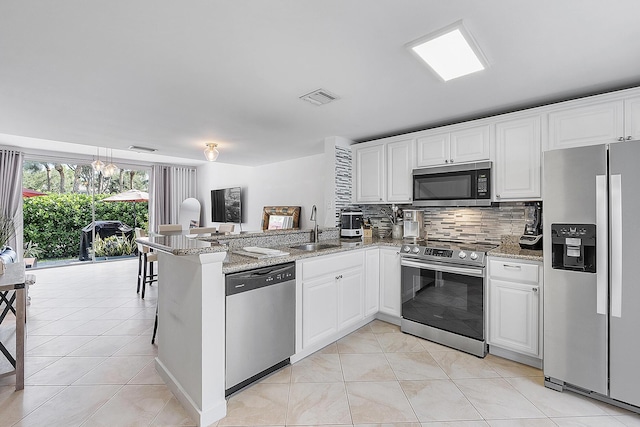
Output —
<point x="27" y="192"/>
<point x="133" y="196"/>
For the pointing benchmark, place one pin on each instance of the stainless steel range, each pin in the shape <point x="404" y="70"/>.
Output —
<point x="443" y="293"/>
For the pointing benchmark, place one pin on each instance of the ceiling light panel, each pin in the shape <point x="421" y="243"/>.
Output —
<point x="450" y="52"/>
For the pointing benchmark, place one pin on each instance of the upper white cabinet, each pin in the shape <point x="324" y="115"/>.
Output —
<point x="382" y="172"/>
<point x="400" y="158"/>
<point x="632" y="118"/>
<point x="517" y="163"/>
<point x="586" y="125"/>
<point x="369" y="173"/>
<point x="458" y="146"/>
<point x="595" y="123"/>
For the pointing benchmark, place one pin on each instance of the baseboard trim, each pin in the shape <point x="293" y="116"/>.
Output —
<point x="516" y="357"/>
<point x="202" y="417"/>
<point x="330" y="340"/>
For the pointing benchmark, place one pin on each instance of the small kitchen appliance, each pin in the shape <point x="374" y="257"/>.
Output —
<point x="443" y="290"/>
<point x="351" y="223"/>
<point x="412" y="221"/>
<point x="532" y="237"/>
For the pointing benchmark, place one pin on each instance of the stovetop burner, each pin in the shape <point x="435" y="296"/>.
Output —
<point x="463" y="253"/>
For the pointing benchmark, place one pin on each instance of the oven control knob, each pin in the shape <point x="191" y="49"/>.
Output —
<point x="462" y="255"/>
<point x="406" y="249"/>
<point x="416" y="250"/>
<point x="473" y="256"/>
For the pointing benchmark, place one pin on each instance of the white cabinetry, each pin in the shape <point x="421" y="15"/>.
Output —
<point x="369" y="176"/>
<point x="331" y="296"/>
<point x="390" y="303"/>
<point x="372" y="281"/>
<point x="517" y="163"/>
<point x="515" y="309"/>
<point x="590" y="123"/>
<point x="458" y="146"/>
<point x="382" y="171"/>
<point x="400" y="158"/>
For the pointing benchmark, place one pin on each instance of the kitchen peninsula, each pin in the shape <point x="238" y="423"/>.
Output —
<point x="191" y="305"/>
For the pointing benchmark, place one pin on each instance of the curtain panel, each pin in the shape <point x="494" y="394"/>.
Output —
<point x="11" y="192"/>
<point x="169" y="186"/>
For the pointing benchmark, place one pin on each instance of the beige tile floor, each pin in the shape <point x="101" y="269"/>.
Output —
<point x="90" y="363"/>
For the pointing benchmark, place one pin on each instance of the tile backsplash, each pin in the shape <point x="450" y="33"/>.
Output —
<point x="478" y="224"/>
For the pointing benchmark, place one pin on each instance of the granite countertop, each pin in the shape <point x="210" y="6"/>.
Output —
<point x="180" y="244"/>
<point x="235" y="262"/>
<point x="509" y="250"/>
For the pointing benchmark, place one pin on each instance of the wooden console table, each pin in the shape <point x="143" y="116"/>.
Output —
<point x="13" y="279"/>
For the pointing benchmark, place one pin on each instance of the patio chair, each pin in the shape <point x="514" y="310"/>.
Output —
<point x="146" y="258"/>
<point x="202" y="230"/>
<point x="165" y="228"/>
<point x="226" y="228"/>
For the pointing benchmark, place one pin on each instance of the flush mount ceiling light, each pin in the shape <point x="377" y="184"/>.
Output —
<point x="210" y="152"/>
<point x="450" y="53"/>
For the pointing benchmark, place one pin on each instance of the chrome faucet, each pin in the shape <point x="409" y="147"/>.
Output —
<point x="315" y="226"/>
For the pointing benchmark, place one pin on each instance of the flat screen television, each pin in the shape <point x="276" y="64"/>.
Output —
<point x="226" y="205"/>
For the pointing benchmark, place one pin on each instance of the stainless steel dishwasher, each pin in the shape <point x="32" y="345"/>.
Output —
<point x="261" y="317"/>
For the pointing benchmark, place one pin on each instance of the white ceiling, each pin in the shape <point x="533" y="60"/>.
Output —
<point x="174" y="74"/>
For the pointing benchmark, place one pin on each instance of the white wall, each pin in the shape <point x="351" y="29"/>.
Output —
<point x="212" y="176"/>
<point x="298" y="182"/>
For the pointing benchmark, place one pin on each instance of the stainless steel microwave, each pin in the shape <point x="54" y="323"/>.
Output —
<point x="454" y="185"/>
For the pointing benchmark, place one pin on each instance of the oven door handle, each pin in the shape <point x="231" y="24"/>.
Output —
<point x="478" y="272"/>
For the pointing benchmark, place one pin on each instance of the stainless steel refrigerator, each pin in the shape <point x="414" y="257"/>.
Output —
<point x="591" y="220"/>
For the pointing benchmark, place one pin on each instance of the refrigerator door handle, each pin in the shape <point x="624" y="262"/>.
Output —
<point x="616" y="245"/>
<point x="602" y="273"/>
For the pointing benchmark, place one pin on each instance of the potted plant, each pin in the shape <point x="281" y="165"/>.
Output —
<point x="7" y="231"/>
<point x="31" y="253"/>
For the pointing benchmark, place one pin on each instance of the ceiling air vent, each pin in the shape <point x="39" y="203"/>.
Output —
<point x="319" y="97"/>
<point x="140" y="149"/>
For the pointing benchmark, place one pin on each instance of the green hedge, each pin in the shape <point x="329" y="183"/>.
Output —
<point x="55" y="221"/>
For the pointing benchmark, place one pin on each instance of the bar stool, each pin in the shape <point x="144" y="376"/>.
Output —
<point x="146" y="258"/>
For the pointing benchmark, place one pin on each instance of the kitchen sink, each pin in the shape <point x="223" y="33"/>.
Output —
<point x="314" y="246"/>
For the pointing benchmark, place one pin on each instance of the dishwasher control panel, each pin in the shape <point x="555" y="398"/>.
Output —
<point x="254" y="279"/>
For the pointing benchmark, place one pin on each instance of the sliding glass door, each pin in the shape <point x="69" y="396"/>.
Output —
<point x="76" y="213"/>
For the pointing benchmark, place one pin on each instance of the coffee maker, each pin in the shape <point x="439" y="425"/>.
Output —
<point x="412" y="222"/>
<point x="351" y="223"/>
<point x="532" y="237"/>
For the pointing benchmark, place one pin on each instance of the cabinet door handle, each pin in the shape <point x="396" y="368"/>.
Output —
<point x="450" y="160"/>
<point x="621" y="139"/>
<point x="516" y="267"/>
<point x="446" y="161"/>
<point x="629" y="138"/>
<point x="534" y="289"/>
<point x="339" y="277"/>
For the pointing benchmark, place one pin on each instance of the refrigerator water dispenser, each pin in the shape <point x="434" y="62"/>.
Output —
<point x="573" y="247"/>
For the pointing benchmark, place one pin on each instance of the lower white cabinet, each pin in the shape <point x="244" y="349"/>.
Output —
<point x="333" y="296"/>
<point x="390" y="281"/>
<point x="350" y="290"/>
<point x="372" y="281"/>
<point x="515" y="306"/>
